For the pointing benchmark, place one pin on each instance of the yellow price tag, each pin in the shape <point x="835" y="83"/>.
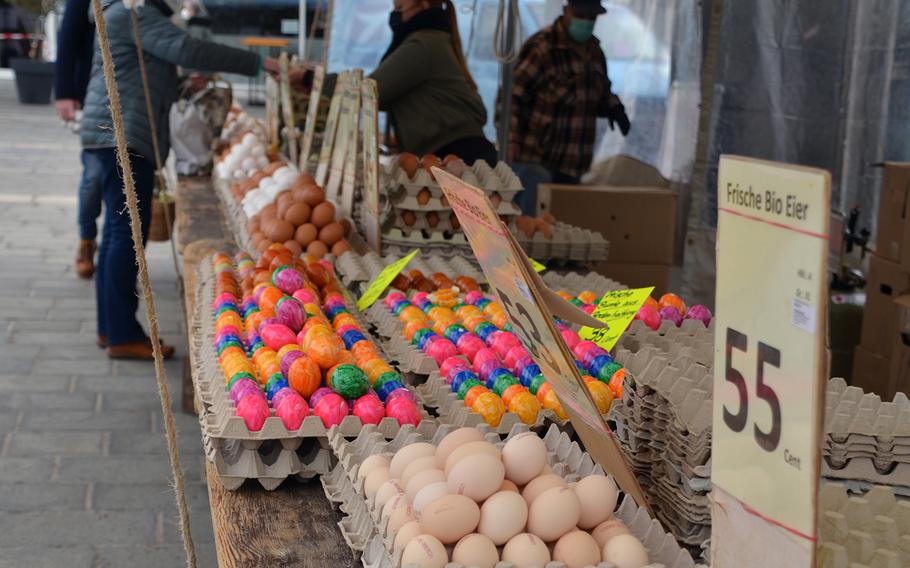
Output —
<point x="537" y="266"/>
<point x="381" y="282"/>
<point x="616" y="309"/>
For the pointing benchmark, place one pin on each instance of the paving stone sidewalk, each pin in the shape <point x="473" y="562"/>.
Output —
<point x="84" y="472"/>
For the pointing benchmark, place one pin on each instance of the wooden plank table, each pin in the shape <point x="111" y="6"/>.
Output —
<point x="292" y="526"/>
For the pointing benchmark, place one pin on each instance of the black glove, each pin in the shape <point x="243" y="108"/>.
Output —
<point x="616" y="114"/>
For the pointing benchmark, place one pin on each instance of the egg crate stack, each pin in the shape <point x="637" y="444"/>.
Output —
<point x="365" y="529"/>
<point x="356" y="271"/>
<point x="500" y="180"/>
<point x="233" y="214"/>
<point x="272" y="453"/>
<point x="867" y="441"/>
<point x="858" y="531"/>
<point x="663" y="422"/>
<point x="569" y="243"/>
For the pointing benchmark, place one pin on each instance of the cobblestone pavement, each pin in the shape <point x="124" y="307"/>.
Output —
<point x="84" y="472"/>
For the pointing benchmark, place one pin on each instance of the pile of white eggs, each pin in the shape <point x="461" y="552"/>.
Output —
<point x="238" y="122"/>
<point x="245" y="158"/>
<point x="269" y="187"/>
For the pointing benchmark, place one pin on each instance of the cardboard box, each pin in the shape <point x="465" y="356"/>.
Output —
<point x="639" y="222"/>
<point x="886" y="282"/>
<point x="871" y="372"/>
<point x="900" y="354"/>
<point x="663" y="277"/>
<point x="893" y="239"/>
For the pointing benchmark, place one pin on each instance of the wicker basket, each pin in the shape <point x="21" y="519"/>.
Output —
<point x="159" y="229"/>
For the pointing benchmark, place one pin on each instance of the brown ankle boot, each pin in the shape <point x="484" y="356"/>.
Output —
<point x="85" y="259"/>
<point x="138" y="350"/>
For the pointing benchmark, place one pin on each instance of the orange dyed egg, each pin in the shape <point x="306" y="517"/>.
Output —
<point x="304" y="376"/>
<point x="616" y="382"/>
<point x="470" y="397"/>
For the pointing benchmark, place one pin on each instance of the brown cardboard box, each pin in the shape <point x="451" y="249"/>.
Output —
<point x="662" y="276"/>
<point x="887" y="280"/>
<point x="871" y="373"/>
<point x="900" y="354"/>
<point x="893" y="242"/>
<point x="639" y="222"/>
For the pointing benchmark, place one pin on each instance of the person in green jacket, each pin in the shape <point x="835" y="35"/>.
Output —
<point x="426" y="88"/>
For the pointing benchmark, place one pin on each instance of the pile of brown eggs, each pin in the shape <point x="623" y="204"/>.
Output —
<point x="529" y="226"/>
<point x="411" y="164"/>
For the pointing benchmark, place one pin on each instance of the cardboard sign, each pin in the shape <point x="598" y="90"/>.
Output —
<point x="616" y="308"/>
<point x="345" y="134"/>
<point x="382" y="281"/>
<point x="287" y="108"/>
<point x="272" y="107"/>
<point x="530" y="306"/>
<point x="370" y="128"/>
<point x="331" y="124"/>
<point x="770" y="354"/>
<point x="351" y="158"/>
<point x="312" y="115"/>
<point x="537" y="266"/>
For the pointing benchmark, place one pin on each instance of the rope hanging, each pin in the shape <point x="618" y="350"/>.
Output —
<point x="129" y="190"/>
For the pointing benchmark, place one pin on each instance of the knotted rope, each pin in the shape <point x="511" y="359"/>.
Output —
<point x="129" y="190"/>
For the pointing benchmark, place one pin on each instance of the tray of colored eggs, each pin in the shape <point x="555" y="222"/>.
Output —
<point x="465" y="497"/>
<point x="484" y="372"/>
<point x="356" y="270"/>
<point x="285" y="367"/>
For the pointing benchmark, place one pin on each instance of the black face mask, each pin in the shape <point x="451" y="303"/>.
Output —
<point x="395" y="22"/>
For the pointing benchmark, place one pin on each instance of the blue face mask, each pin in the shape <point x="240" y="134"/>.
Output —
<point x="581" y="30"/>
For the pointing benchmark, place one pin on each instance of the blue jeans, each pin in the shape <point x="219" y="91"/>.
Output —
<point x="89" y="197"/>
<point x="531" y="175"/>
<point x="115" y="277"/>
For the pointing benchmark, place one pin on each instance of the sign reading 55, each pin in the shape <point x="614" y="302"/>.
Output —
<point x="737" y="421"/>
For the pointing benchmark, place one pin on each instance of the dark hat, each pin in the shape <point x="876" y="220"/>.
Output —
<point x="587" y="8"/>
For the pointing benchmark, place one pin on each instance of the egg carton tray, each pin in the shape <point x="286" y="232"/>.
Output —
<point x="402" y="201"/>
<point x="234" y="216"/>
<point x="501" y="180"/>
<point x="575" y="283"/>
<point x="565" y="458"/>
<point x="269" y="464"/>
<point x="397" y="237"/>
<point x="218" y="417"/>
<point x="421" y="223"/>
<point x="568" y="243"/>
<point x="355" y="269"/>
<point x="868" y="530"/>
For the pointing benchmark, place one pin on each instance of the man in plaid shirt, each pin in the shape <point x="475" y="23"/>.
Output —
<point x="560" y="87"/>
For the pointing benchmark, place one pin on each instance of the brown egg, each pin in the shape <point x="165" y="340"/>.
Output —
<point x="323" y="214"/>
<point x="415" y="274"/>
<point x="453" y="219"/>
<point x="347" y="226"/>
<point x="545" y="228"/>
<point x="256" y="238"/>
<point x="401" y="282"/>
<point x="294" y="247"/>
<point x="449" y="159"/>
<point x="409" y="218"/>
<point x="432" y="218"/>
<point x="331" y="233"/>
<point x="409" y="163"/>
<point x="423" y="197"/>
<point x="263" y="245"/>
<point x="270" y="211"/>
<point x="527" y="225"/>
<point x="495" y="199"/>
<point x="456" y="167"/>
<point x="281" y="231"/>
<point x="549" y="218"/>
<point x="428" y="161"/>
<point x="306" y="233"/>
<point x="297" y="214"/>
<point x="340" y="248"/>
<point x="313" y="195"/>
<point x="317" y="249"/>
<point x="444" y="200"/>
<point x="253" y="224"/>
<point x="283" y="200"/>
<point x="424" y="285"/>
<point x="305" y="178"/>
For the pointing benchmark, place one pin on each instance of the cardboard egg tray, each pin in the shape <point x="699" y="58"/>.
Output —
<point x="267" y="454"/>
<point x="867" y="440"/>
<point x="574" y="283"/>
<point x="404" y="201"/>
<point x="566" y="458"/>
<point x="421" y="224"/>
<point x="869" y="530"/>
<point x="500" y="179"/>
<point x="664" y="420"/>
<point x="435" y="239"/>
<point x="568" y="243"/>
<point x="358" y="270"/>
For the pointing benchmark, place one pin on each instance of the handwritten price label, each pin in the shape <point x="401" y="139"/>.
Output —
<point x="381" y="282"/>
<point x="616" y="308"/>
<point x="537" y="266"/>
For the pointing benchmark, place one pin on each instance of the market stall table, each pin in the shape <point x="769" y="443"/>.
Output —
<point x="294" y="525"/>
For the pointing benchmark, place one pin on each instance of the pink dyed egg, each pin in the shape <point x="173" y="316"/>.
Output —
<point x="450" y="364"/>
<point x="672" y="314"/>
<point x="369" y="409"/>
<point x="292" y="410"/>
<point x="305" y="296"/>
<point x="570" y="337"/>
<point x="318" y="394"/>
<point x="404" y="411"/>
<point x="254" y="409"/>
<point x="484" y="355"/>
<point x="583" y="347"/>
<point x="332" y="409"/>
<point x="701" y="313"/>
<point x="470" y="345"/>
<point x="514" y="354"/>
<point x="289" y="280"/>
<point x="441" y="349"/>
<point x="588" y="308"/>
<point x="649" y="316"/>
<point x="290" y="312"/>
<point x="277" y="335"/>
<point x="504" y="342"/>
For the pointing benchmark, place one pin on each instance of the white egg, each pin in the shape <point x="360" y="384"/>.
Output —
<point x="257" y="150"/>
<point x="238" y="175"/>
<point x="280" y="172"/>
<point x="625" y="551"/>
<point x="262" y="161"/>
<point x="248" y="139"/>
<point x="248" y="163"/>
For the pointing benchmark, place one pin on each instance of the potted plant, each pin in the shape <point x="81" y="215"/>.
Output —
<point x="34" y="75"/>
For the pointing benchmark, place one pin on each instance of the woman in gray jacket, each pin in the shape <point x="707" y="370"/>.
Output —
<point x="166" y="46"/>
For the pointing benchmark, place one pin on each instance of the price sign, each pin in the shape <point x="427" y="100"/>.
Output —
<point x="537" y="266"/>
<point x="312" y="115"/>
<point x="331" y="124"/>
<point x="370" y="127"/>
<point x="770" y="354"/>
<point x="616" y="308"/>
<point x="381" y="282"/>
<point x="528" y="307"/>
<point x="287" y="108"/>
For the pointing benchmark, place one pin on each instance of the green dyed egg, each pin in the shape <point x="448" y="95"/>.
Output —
<point x="503" y="382"/>
<point x="607" y="372"/>
<point x="349" y="381"/>
<point x="535" y="383"/>
<point x="466" y="386"/>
